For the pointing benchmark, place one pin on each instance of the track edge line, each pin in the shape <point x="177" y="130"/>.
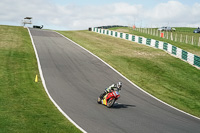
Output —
<point x="44" y="85"/>
<point x="129" y="80"/>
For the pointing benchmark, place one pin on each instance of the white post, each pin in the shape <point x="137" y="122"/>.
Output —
<point x="160" y="33"/>
<point x="199" y="42"/>
<point x="167" y="35"/>
<point x="164" y="34"/>
<point x="171" y="36"/>
<point x="186" y="41"/>
<point x="181" y="38"/>
<point x="192" y="40"/>
<point x="176" y="37"/>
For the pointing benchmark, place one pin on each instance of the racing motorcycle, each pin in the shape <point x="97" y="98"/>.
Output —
<point x="109" y="99"/>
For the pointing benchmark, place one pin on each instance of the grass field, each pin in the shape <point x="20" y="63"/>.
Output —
<point x="24" y="104"/>
<point x="187" y="30"/>
<point x="184" y="31"/>
<point x="166" y="77"/>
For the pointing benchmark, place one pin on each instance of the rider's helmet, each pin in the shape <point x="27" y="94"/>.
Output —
<point x="119" y="85"/>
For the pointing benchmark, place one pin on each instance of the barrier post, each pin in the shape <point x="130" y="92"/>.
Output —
<point x="162" y="34"/>
<point x="199" y="42"/>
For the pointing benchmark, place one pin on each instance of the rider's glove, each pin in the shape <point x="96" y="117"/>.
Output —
<point x="106" y="91"/>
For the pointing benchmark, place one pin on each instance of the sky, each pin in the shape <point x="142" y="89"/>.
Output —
<point x="82" y="14"/>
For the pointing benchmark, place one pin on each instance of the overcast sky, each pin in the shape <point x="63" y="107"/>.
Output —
<point x="81" y="14"/>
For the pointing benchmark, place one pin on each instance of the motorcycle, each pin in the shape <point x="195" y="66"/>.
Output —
<point x="109" y="99"/>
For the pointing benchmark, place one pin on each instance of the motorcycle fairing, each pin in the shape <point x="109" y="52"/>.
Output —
<point x="104" y="101"/>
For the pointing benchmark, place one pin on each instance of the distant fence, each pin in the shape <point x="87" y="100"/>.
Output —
<point x="174" y="36"/>
<point x="182" y="54"/>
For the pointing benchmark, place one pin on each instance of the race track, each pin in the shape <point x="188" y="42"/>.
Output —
<point x="75" y="78"/>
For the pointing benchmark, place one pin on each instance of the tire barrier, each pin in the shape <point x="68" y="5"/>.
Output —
<point x="173" y="50"/>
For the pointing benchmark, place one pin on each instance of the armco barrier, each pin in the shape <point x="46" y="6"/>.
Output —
<point x="177" y="52"/>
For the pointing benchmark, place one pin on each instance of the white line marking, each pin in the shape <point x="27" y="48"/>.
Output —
<point x="129" y="80"/>
<point x="45" y="87"/>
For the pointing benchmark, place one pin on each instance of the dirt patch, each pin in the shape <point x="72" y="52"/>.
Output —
<point x="122" y="30"/>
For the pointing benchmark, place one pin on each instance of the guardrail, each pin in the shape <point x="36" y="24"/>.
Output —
<point x="173" y="50"/>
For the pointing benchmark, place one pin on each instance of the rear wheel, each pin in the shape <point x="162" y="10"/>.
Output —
<point x="110" y="102"/>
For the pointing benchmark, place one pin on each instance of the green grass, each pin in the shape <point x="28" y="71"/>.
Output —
<point x="24" y="104"/>
<point x="184" y="31"/>
<point x="166" y="77"/>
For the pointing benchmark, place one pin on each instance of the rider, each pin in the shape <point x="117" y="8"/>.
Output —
<point x="116" y="87"/>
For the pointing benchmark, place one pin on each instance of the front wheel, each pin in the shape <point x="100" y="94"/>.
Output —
<point x="110" y="102"/>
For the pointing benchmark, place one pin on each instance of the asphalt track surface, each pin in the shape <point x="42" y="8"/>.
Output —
<point x="75" y="78"/>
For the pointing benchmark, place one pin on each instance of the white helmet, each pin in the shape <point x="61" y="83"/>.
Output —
<point x="119" y="85"/>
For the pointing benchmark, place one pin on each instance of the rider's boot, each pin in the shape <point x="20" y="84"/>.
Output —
<point x="102" y="95"/>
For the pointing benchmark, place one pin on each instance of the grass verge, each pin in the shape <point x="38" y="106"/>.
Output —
<point x="24" y="104"/>
<point x="166" y="77"/>
<point x="184" y="31"/>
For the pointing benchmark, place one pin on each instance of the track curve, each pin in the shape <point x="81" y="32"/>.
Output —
<point x="75" y="78"/>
